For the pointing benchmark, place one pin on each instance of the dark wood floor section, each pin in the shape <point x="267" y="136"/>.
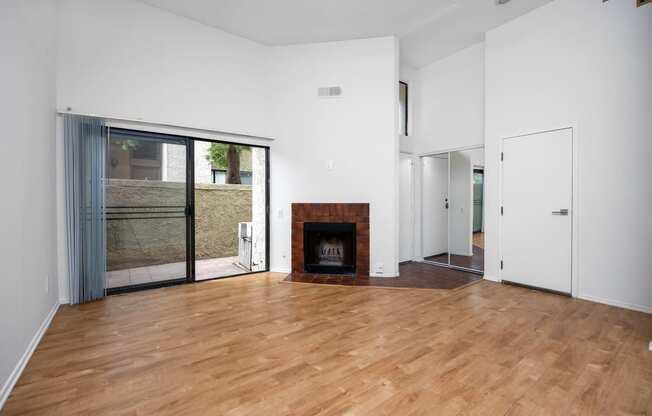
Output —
<point x="255" y="345"/>
<point x="412" y="275"/>
<point x="475" y="262"/>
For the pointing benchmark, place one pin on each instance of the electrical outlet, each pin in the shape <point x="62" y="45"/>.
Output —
<point x="380" y="268"/>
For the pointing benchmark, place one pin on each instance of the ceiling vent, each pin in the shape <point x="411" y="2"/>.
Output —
<point x="499" y="2"/>
<point x="329" y="91"/>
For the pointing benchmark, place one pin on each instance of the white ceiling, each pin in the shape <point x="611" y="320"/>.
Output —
<point x="428" y="29"/>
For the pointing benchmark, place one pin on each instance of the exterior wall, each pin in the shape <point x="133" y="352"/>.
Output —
<point x="203" y="170"/>
<point x="218" y="210"/>
<point x="174" y="163"/>
<point x="144" y="242"/>
<point x="259" y="193"/>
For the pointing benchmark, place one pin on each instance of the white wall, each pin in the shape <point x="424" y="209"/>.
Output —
<point x="137" y="61"/>
<point x="127" y="59"/>
<point x="461" y="204"/>
<point x="356" y="133"/>
<point x="450" y="102"/>
<point x="587" y="63"/>
<point x="447" y="112"/>
<point x="406" y="208"/>
<point x="28" y="288"/>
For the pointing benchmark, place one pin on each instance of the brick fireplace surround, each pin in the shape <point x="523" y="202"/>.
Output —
<point x="337" y="213"/>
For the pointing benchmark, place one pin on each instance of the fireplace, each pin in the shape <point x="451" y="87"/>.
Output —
<point x="330" y="238"/>
<point x="329" y="247"/>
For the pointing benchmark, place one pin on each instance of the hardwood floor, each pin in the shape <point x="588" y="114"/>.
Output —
<point x="413" y="275"/>
<point x="255" y="345"/>
<point x="478" y="239"/>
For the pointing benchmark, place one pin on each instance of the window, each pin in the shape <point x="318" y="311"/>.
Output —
<point x="219" y="176"/>
<point x="403" y="108"/>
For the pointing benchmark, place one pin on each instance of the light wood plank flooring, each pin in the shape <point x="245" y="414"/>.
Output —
<point x="255" y="345"/>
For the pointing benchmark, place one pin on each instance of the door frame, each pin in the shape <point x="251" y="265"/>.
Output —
<point x="575" y="206"/>
<point x="190" y="210"/>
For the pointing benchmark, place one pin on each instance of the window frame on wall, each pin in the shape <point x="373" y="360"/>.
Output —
<point x="404" y="130"/>
<point x="190" y="209"/>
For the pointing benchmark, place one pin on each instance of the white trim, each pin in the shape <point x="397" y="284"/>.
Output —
<point x="631" y="306"/>
<point x="455" y="149"/>
<point x="575" y="212"/>
<point x="64" y="301"/>
<point x="22" y="363"/>
<point x="411" y="209"/>
<point x="280" y="270"/>
<point x="166" y="124"/>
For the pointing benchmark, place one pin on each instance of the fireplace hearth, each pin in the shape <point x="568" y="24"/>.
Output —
<point x="329" y="247"/>
<point x="330" y="238"/>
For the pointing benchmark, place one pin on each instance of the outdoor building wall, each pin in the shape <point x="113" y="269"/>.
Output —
<point x="147" y="242"/>
<point x="258" y="196"/>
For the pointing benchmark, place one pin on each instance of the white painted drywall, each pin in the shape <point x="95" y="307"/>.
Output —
<point x="406" y="210"/>
<point x="127" y="59"/>
<point x="28" y="286"/>
<point x="588" y="63"/>
<point x="139" y="61"/>
<point x="460" y="218"/>
<point x="341" y="149"/>
<point x="449" y="102"/>
<point x="433" y="234"/>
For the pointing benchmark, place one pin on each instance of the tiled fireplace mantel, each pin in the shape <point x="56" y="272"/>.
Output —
<point x="357" y="213"/>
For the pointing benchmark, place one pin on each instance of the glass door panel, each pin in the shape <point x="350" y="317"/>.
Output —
<point x="465" y="217"/>
<point x="435" y="206"/>
<point x="146" y="210"/>
<point x="230" y="216"/>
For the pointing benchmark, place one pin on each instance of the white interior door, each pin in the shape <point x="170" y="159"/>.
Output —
<point x="434" y="197"/>
<point x="405" y="230"/>
<point x="537" y="191"/>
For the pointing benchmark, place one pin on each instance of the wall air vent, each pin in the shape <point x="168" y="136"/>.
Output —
<point x="329" y="91"/>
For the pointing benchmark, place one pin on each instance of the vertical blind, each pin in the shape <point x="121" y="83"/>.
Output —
<point x="85" y="152"/>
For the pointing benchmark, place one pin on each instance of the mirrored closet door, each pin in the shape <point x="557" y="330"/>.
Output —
<point x="452" y="200"/>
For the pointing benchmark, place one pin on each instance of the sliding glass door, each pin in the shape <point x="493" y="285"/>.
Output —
<point x="182" y="209"/>
<point x="146" y="210"/>
<point x="230" y="215"/>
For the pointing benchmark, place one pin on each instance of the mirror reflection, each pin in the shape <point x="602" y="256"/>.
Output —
<point x="453" y="208"/>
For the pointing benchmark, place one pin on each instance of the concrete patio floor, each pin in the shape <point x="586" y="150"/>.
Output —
<point x="204" y="269"/>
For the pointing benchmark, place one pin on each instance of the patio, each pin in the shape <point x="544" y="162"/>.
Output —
<point x="204" y="269"/>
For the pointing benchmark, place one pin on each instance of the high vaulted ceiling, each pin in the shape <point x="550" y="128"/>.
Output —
<point x="428" y="29"/>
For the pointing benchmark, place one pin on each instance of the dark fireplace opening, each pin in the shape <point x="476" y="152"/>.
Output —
<point x="329" y="248"/>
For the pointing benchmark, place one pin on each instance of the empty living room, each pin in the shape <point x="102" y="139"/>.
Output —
<point x="340" y="207"/>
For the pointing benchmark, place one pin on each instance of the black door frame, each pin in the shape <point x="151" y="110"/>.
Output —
<point x="190" y="211"/>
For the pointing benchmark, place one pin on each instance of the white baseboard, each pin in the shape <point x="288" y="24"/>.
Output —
<point x="492" y="278"/>
<point x="64" y="301"/>
<point x="625" y="305"/>
<point x="281" y="270"/>
<point x="22" y="363"/>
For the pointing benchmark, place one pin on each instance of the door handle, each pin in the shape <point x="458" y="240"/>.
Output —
<point x="563" y="211"/>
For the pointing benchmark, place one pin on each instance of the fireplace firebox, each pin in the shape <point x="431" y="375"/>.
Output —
<point x="329" y="247"/>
